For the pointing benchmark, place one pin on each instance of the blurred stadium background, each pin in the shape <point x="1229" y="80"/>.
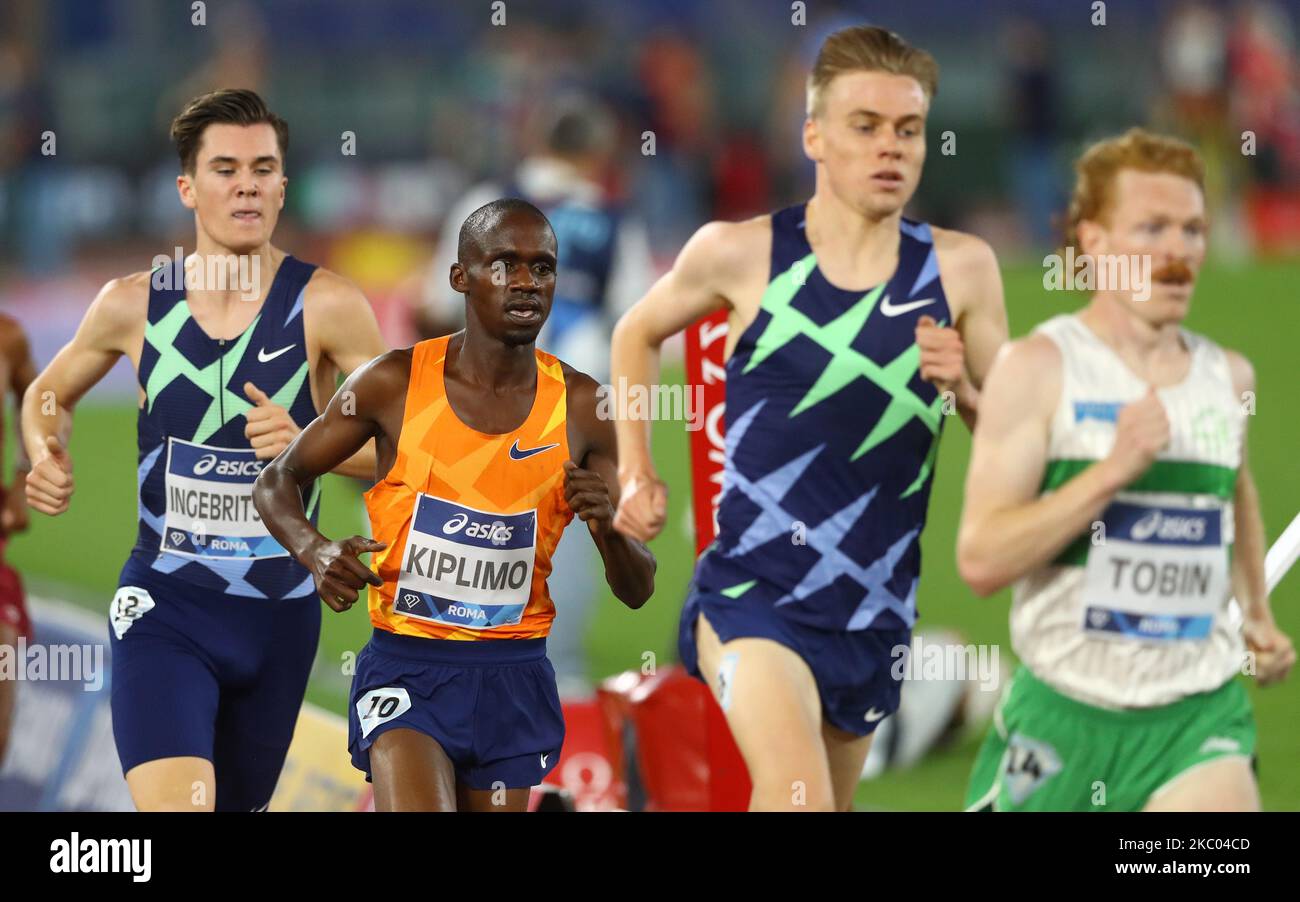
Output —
<point x="438" y="98"/>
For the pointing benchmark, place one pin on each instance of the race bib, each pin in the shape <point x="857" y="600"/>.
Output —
<point x="464" y="567"/>
<point x="1160" y="575"/>
<point x="210" y="509"/>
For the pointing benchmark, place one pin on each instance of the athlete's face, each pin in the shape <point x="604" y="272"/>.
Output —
<point x="1156" y="228"/>
<point x="237" y="188"/>
<point x="868" y="140"/>
<point x="509" y="281"/>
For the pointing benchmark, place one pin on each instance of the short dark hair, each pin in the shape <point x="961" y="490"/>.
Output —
<point x="234" y="106"/>
<point x="485" y="218"/>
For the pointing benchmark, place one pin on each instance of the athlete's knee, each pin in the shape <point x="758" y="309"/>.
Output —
<point x="1227" y="784"/>
<point x="173" y="784"/>
<point x="808" y="792"/>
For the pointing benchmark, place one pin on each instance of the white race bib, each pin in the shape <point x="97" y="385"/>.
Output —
<point x="210" y="509"/>
<point x="1161" y="573"/>
<point x="464" y="567"/>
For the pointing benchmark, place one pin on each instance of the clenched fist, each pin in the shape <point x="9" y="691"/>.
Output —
<point x="340" y="576"/>
<point x="1274" y="653"/>
<point x="49" y="484"/>
<point x="1141" y="433"/>
<point x="588" y="497"/>
<point x="642" y="506"/>
<point x="270" y="429"/>
<point x="943" y="355"/>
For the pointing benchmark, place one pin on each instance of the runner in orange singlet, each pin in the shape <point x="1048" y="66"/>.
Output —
<point x="487" y="448"/>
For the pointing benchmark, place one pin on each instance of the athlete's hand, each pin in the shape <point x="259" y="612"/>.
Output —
<point x="1141" y="432"/>
<point x="642" y="506"/>
<point x="1274" y="653"/>
<point x="943" y="355"/>
<point x="588" y="497"/>
<point x="270" y="429"/>
<point x="49" y="484"/>
<point x="340" y="576"/>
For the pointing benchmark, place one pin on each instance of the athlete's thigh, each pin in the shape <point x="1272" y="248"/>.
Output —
<point x="184" y="783"/>
<point x="845" y="753"/>
<point x="770" y="700"/>
<point x="1221" y="784"/>
<point x="411" y="772"/>
<point x="255" y="723"/>
<point x="469" y="799"/>
<point x="165" y="697"/>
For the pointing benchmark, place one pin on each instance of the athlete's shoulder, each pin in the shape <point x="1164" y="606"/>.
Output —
<point x="1241" y="369"/>
<point x="1027" y="367"/>
<point x="390" y="369"/>
<point x="731" y="245"/>
<point x="963" y="254"/>
<point x="581" y="388"/>
<point x="329" y="294"/>
<point x="122" y="305"/>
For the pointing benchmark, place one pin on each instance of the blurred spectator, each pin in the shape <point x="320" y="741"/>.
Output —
<point x="1034" y="130"/>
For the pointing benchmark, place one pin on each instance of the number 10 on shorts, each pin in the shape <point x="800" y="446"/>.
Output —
<point x="380" y="706"/>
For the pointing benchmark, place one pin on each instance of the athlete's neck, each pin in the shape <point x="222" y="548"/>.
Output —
<point x="853" y="244"/>
<point x="219" y="277"/>
<point x="1113" y="321"/>
<point x="490" y="364"/>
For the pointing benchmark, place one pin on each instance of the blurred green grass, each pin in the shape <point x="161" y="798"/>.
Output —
<point x="1251" y="309"/>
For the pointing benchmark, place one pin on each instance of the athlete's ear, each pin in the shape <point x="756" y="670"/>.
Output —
<point x="458" y="278"/>
<point x="812" y="140"/>
<point x="1092" y="237"/>
<point x="185" y="188"/>
<point x="284" y="184"/>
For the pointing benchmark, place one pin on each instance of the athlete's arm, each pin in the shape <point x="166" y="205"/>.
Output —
<point x="115" y="318"/>
<point x="22" y="372"/>
<point x="974" y="287"/>
<point x="341" y="323"/>
<point x="1274" y="653"/>
<point x="353" y="419"/>
<point x="701" y="281"/>
<point x="591" y="489"/>
<point x="1007" y="529"/>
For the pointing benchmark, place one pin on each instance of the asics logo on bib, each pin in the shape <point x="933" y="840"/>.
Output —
<point x="495" y="532"/>
<point x="1169" y="528"/>
<point x="210" y="511"/>
<point x="466" y="567"/>
<point x="208" y="462"/>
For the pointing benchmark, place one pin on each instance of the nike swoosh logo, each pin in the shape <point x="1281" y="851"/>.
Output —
<point x="899" y="309"/>
<point x="516" y="453"/>
<point x="544" y="757"/>
<point x="873" y="715"/>
<point x="263" y="357"/>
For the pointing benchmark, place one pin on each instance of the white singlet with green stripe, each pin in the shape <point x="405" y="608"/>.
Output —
<point x="1134" y="614"/>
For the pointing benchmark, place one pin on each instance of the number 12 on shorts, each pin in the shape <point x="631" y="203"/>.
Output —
<point x="380" y="706"/>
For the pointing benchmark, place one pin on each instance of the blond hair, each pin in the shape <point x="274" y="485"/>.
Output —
<point x="866" y="48"/>
<point x="1100" y="165"/>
